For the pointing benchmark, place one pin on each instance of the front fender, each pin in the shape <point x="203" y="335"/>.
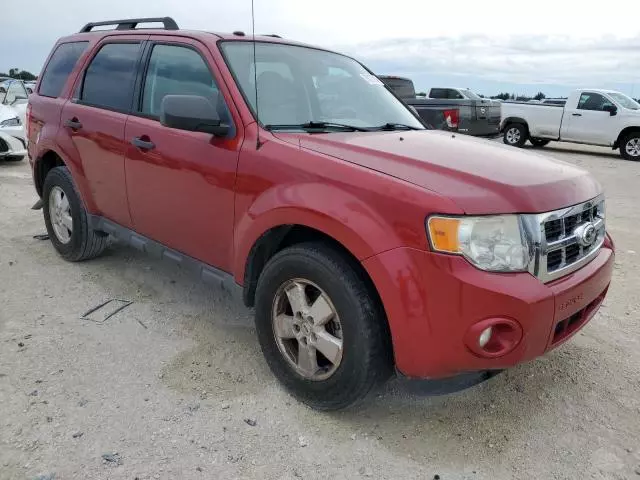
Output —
<point x="324" y="207"/>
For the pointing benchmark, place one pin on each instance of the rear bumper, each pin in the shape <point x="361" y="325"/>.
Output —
<point x="433" y="301"/>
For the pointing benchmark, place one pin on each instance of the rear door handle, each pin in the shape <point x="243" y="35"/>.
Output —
<point x="142" y="144"/>
<point x="576" y="114"/>
<point x="73" y="124"/>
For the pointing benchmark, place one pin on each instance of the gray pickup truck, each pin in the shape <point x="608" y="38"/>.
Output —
<point x="451" y="109"/>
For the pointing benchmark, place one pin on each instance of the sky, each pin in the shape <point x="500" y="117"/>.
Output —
<point x="489" y="46"/>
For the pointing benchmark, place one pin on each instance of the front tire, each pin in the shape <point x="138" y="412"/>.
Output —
<point x="66" y="219"/>
<point x="515" y="134"/>
<point x="630" y="146"/>
<point x="321" y="328"/>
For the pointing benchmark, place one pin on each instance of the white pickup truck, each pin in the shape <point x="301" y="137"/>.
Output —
<point x="590" y="116"/>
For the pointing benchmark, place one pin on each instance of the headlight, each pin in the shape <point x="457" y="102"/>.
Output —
<point x="10" y="122"/>
<point x="496" y="243"/>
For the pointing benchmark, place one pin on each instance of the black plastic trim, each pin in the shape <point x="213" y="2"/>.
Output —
<point x="206" y="273"/>
<point x="131" y="23"/>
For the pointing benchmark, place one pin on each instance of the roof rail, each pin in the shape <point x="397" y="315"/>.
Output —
<point x="272" y="35"/>
<point x="131" y="23"/>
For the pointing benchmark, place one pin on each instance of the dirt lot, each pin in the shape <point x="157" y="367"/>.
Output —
<point x="174" y="386"/>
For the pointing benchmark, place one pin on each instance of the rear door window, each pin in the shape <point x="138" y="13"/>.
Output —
<point x="109" y="78"/>
<point x="59" y="68"/>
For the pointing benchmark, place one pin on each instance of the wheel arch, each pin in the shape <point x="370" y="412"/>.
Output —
<point x="625" y="131"/>
<point x="49" y="157"/>
<point x="279" y="237"/>
<point x="509" y="120"/>
<point x="45" y="162"/>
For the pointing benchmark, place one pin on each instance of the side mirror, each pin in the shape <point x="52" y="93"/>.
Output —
<point x="612" y="109"/>
<point x="193" y="113"/>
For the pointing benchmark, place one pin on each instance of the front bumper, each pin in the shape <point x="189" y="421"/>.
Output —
<point x="433" y="300"/>
<point x="12" y="143"/>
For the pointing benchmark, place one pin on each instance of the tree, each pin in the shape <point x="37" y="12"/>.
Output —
<point x="19" y="74"/>
<point x="539" y="96"/>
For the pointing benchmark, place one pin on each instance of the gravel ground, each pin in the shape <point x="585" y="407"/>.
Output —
<point x="174" y="386"/>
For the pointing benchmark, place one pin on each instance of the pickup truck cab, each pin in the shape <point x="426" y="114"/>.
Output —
<point x="589" y="116"/>
<point x="289" y="174"/>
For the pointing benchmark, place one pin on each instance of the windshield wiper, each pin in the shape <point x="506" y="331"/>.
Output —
<point x="394" y="126"/>
<point x="318" y="126"/>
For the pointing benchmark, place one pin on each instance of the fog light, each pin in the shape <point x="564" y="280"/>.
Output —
<point x="485" y="336"/>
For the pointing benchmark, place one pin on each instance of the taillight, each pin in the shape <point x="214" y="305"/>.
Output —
<point x="452" y="117"/>
<point x="28" y="120"/>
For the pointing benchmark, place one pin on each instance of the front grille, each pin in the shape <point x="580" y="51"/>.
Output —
<point x="563" y="245"/>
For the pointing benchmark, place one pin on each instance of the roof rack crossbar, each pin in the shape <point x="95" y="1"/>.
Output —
<point x="131" y="23"/>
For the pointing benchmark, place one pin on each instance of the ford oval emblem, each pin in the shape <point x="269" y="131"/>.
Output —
<point x="586" y="234"/>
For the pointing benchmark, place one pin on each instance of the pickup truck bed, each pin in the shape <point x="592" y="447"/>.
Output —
<point x="471" y="117"/>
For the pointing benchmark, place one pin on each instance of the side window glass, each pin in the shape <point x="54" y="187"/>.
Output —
<point x="593" y="101"/>
<point x="175" y="70"/>
<point x="108" y="81"/>
<point x="59" y="68"/>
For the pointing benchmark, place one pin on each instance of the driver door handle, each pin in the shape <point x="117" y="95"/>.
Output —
<point x="576" y="114"/>
<point x="73" y="123"/>
<point x="143" y="144"/>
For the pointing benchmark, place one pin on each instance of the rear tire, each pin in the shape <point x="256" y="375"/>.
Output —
<point x="365" y="359"/>
<point x="539" y="142"/>
<point x="515" y="134"/>
<point x="63" y="208"/>
<point x="630" y="146"/>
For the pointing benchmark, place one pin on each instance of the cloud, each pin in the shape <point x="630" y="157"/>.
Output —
<point x="522" y="59"/>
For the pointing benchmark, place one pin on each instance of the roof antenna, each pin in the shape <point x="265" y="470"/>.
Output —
<point x="255" y="75"/>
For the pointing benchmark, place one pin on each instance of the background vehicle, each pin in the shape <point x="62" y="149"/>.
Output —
<point x="589" y="116"/>
<point x="450" y="109"/>
<point x="290" y="173"/>
<point x="554" y="101"/>
<point x="13" y="104"/>
<point x="30" y="86"/>
<point x="452" y="93"/>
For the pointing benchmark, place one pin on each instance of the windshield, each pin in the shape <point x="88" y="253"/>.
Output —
<point x="470" y="95"/>
<point x="624" y="101"/>
<point x="300" y="85"/>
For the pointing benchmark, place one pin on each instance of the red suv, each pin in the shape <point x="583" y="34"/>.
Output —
<point x="292" y="174"/>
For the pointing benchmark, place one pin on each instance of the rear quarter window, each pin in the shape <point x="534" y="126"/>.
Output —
<point x="60" y="66"/>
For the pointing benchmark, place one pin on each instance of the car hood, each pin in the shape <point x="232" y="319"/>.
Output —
<point x="480" y="176"/>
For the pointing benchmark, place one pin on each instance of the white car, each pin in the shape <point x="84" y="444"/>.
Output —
<point x="590" y="116"/>
<point x="13" y="108"/>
